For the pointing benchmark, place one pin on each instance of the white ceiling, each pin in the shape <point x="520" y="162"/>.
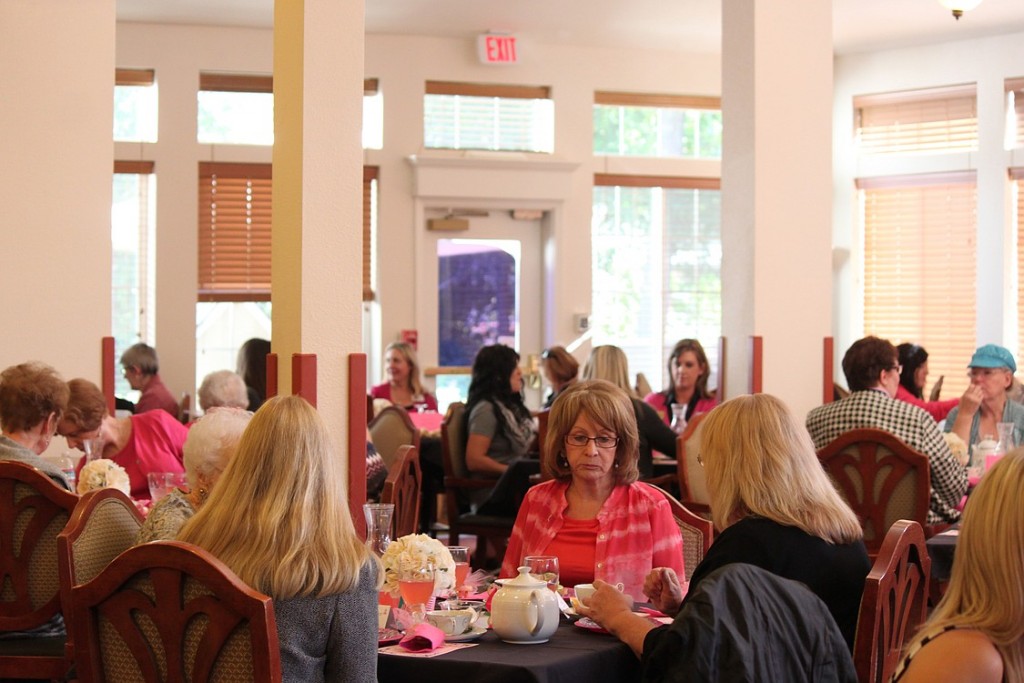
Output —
<point x="858" y="25"/>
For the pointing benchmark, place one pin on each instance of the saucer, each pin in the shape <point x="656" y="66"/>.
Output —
<point x="472" y="634"/>
<point x="388" y="636"/>
<point x="590" y="625"/>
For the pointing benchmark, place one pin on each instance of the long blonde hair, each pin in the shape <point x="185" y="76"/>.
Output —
<point x="760" y="461"/>
<point x="278" y="516"/>
<point x="986" y="587"/>
<point x="610" y="364"/>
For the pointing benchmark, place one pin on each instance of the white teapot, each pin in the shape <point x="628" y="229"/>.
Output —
<point x="524" y="611"/>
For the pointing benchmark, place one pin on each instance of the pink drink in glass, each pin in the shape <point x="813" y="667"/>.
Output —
<point x="416" y="592"/>
<point x="461" y="572"/>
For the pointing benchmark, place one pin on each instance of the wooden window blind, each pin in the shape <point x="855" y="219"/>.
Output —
<point x="370" y="174"/>
<point x="675" y="182"/>
<point x="1017" y="174"/>
<point x="1015" y="102"/>
<point x="138" y="77"/>
<point x="522" y="92"/>
<point x="919" y="121"/>
<point x="234" y="232"/>
<point x="225" y="82"/>
<point x="919" y="267"/>
<point x="632" y="99"/>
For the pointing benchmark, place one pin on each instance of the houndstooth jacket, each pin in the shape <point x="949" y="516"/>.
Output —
<point x="876" y="409"/>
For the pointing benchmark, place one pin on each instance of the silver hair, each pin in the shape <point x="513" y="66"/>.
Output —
<point x="223" y="388"/>
<point x="212" y="441"/>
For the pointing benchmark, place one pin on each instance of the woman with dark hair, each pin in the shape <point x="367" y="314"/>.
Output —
<point x="688" y="373"/>
<point x="914" y="361"/>
<point x="560" y="369"/>
<point x="498" y="423"/>
<point x="252" y="366"/>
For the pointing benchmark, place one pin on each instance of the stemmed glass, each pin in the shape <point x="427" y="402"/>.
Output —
<point x="416" y="584"/>
<point x="543" y="567"/>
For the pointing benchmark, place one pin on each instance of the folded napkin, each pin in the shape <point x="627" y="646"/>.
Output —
<point x="422" y="637"/>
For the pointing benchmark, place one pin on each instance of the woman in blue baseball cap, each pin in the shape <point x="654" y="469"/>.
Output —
<point x="985" y="403"/>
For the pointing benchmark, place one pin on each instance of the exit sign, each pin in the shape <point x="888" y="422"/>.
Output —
<point x="495" y="48"/>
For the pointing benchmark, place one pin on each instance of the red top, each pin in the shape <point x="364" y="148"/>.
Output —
<point x="937" y="409"/>
<point x="575" y="547"/>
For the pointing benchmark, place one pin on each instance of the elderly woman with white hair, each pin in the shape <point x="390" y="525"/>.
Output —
<point x="223" y="388"/>
<point x="210" y="445"/>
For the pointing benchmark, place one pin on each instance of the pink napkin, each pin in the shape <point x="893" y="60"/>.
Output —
<point x="422" y="637"/>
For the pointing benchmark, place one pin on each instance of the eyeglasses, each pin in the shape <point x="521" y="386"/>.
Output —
<point x="984" y="372"/>
<point x="898" y="368"/>
<point x="581" y="440"/>
<point x="545" y="354"/>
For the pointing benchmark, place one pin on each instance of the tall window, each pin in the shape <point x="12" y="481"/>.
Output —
<point x="236" y="109"/>
<point x="633" y="124"/>
<point x="1014" y="113"/>
<point x="373" y="114"/>
<point x="369" y="231"/>
<point x="131" y="236"/>
<point x="488" y="117"/>
<point x="936" y="120"/>
<point x="657" y="255"/>
<point x="1017" y="174"/>
<point x="135" y="105"/>
<point x="919" y="267"/>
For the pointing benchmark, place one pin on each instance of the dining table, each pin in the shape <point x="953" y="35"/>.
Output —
<point x="941" y="549"/>
<point x="572" y="654"/>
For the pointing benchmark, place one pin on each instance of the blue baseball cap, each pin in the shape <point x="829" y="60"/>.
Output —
<point x="992" y="356"/>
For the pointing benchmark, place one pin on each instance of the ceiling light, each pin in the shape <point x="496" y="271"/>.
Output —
<point x="958" y="7"/>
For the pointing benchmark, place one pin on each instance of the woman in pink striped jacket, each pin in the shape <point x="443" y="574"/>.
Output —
<point x="593" y="514"/>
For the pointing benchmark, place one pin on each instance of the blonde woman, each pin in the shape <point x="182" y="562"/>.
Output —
<point x="774" y="507"/>
<point x="977" y="631"/>
<point x="610" y="364"/>
<point x="279" y="519"/>
<point x="403" y="387"/>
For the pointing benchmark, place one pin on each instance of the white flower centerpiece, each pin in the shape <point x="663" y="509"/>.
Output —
<point x="100" y="473"/>
<point x="958" y="448"/>
<point x="417" y="551"/>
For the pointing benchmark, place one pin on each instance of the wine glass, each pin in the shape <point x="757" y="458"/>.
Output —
<point x="416" y="584"/>
<point x="543" y="567"/>
<point x="461" y="556"/>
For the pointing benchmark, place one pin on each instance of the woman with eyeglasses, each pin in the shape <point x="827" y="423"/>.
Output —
<point x="986" y="403"/>
<point x="560" y="369"/>
<point x="914" y="361"/>
<point x="593" y="514"/>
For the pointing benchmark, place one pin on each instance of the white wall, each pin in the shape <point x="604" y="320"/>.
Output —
<point x="985" y="62"/>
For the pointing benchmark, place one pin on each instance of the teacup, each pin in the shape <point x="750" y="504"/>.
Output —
<point x="583" y="591"/>
<point x="452" y="621"/>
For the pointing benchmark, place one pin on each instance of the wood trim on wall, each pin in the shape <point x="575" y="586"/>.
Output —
<point x="675" y="182"/>
<point x="134" y="167"/>
<point x="523" y="92"/>
<point x="227" y="82"/>
<point x="635" y="99"/>
<point x="141" y="77"/>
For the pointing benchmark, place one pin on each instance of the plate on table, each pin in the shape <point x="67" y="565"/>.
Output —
<point x="590" y="625"/>
<point x="388" y="636"/>
<point x="472" y="634"/>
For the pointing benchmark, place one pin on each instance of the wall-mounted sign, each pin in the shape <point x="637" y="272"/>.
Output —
<point x="497" y="48"/>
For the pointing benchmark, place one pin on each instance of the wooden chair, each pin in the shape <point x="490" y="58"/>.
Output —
<point x="33" y="510"/>
<point x="104" y="524"/>
<point x="697" y="533"/>
<point x="894" y="602"/>
<point x="169" y="611"/>
<point x="881" y="478"/>
<point x="542" y="432"/>
<point x="404" y="488"/>
<point x="458" y="485"/>
<point x="693" y="487"/>
<point x="390" y="429"/>
<point x="185" y="409"/>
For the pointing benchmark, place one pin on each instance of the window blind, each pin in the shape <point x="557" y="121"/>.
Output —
<point x="234" y="232"/>
<point x="369" y="230"/>
<point x="137" y="77"/>
<point x="919" y="268"/>
<point x="1017" y="174"/>
<point x="633" y="99"/>
<point x="226" y="82"/>
<point x="918" y="121"/>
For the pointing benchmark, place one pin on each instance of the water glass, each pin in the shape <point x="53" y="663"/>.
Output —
<point x="68" y="462"/>
<point x="543" y="567"/>
<point x="162" y="483"/>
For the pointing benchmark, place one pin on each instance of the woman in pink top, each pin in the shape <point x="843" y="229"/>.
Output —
<point x="688" y="373"/>
<point x="593" y="514"/>
<point x="142" y="443"/>
<point x="914" y="361"/>
<point x="403" y="387"/>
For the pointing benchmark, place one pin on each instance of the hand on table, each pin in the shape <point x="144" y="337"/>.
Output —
<point x="663" y="588"/>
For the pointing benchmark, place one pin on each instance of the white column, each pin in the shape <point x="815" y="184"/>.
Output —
<point x="777" y="192"/>
<point x="317" y="223"/>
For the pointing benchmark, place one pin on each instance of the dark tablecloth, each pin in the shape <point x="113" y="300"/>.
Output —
<point x="941" y="548"/>
<point x="572" y="655"/>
